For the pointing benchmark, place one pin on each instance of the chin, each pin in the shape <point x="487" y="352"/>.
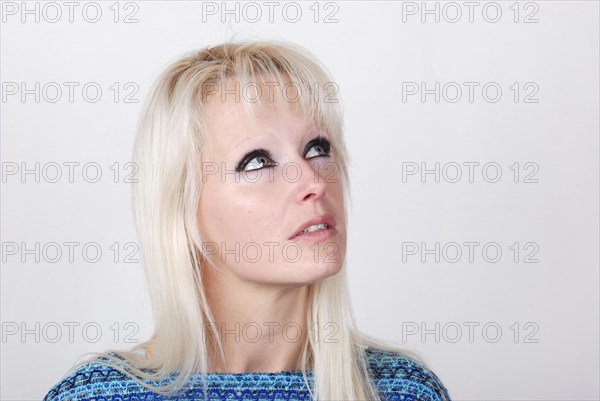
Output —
<point x="310" y="273"/>
<point x="297" y="275"/>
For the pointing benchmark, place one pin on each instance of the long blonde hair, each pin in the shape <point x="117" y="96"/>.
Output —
<point x="168" y="145"/>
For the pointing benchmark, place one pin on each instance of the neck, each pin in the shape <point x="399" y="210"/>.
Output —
<point x="262" y="328"/>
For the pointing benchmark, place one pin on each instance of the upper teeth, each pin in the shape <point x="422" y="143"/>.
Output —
<point x="315" y="227"/>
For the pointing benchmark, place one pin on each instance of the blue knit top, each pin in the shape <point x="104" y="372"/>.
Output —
<point x="395" y="376"/>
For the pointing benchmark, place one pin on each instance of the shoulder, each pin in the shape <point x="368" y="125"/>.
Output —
<point x="395" y="374"/>
<point x="91" y="380"/>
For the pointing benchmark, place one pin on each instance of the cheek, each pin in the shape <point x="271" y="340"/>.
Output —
<point x="235" y="212"/>
<point x="215" y="212"/>
<point x="335" y="191"/>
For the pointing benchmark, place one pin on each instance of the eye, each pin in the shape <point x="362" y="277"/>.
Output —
<point x="317" y="147"/>
<point x="255" y="160"/>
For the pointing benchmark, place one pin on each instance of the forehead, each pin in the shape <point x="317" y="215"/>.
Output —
<point x="231" y="117"/>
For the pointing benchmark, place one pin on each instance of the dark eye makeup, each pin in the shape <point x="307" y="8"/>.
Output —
<point x="254" y="160"/>
<point x="261" y="158"/>
<point x="321" y="145"/>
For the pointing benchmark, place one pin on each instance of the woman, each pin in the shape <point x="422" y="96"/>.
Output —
<point x="241" y="215"/>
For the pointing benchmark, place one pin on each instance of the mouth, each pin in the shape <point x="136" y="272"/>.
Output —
<point x="316" y="229"/>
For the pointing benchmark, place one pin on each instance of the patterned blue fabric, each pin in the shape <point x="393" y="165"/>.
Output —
<point x="396" y="377"/>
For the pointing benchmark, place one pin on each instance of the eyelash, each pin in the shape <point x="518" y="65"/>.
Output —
<point x="319" y="141"/>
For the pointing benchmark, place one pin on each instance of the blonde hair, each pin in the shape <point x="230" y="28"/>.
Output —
<point x="168" y="145"/>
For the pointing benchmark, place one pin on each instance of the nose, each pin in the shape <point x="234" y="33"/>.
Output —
<point x="310" y="185"/>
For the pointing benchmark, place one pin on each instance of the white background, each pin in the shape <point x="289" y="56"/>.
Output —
<point x="547" y="311"/>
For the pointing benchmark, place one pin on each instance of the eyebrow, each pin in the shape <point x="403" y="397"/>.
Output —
<point x="231" y="149"/>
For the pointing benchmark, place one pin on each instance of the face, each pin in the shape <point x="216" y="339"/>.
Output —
<point x="271" y="207"/>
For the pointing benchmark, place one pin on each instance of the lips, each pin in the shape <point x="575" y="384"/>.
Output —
<point x="328" y="220"/>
